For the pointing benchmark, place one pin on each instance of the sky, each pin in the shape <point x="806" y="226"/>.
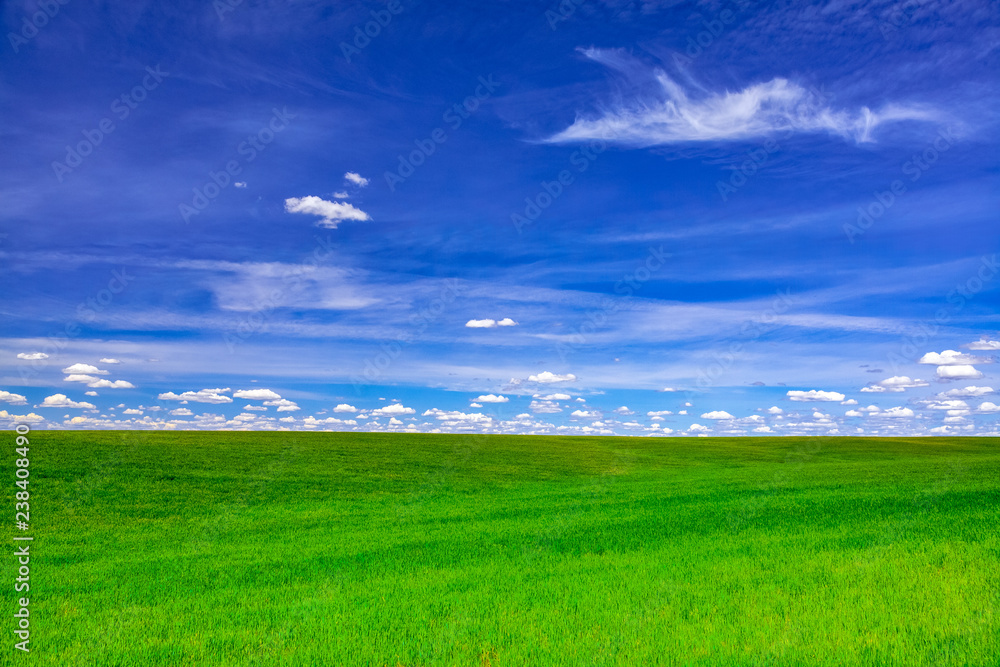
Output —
<point x="580" y="217"/>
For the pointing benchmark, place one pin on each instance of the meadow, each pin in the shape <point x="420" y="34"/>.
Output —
<point x="198" y="548"/>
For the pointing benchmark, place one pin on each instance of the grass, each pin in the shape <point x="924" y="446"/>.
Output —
<point x="380" y="549"/>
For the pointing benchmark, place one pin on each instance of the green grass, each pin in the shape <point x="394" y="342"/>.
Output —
<point x="363" y="549"/>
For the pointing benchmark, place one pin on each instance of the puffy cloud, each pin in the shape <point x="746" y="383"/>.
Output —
<point x="394" y="409"/>
<point x="897" y="412"/>
<point x="584" y="414"/>
<point x="475" y="405"/>
<point x="546" y="377"/>
<point x="506" y="322"/>
<point x="257" y="394"/>
<point x="756" y="112"/>
<point x="697" y="428"/>
<point x="958" y="372"/>
<point x="201" y="396"/>
<point x="255" y="408"/>
<point x="456" y="418"/>
<point x="29" y="418"/>
<point x="32" y="356"/>
<point x="331" y="212"/>
<point x="84" y="369"/>
<point x="873" y="389"/>
<point x="983" y="344"/>
<point x="967" y="392"/>
<point x="763" y="429"/>
<point x="107" y="360"/>
<point x="853" y="413"/>
<point x="658" y="413"/>
<point x="544" y="407"/>
<point x="950" y="404"/>
<point x="490" y="398"/>
<point x="101" y="383"/>
<point x="774" y="410"/>
<point x="849" y="401"/>
<point x="63" y="401"/>
<point x="395" y="422"/>
<point x="90" y="393"/>
<point x="553" y="397"/>
<point x="133" y="411"/>
<point x="240" y="184"/>
<point x="987" y="406"/>
<point x="481" y="324"/>
<point x="815" y="395"/>
<point x="356" y="178"/>
<point x="13" y="399"/>
<point x="900" y="383"/>
<point x="717" y="414"/>
<point x="283" y="405"/>
<point x="344" y="407"/>
<point x="181" y="412"/>
<point x="950" y="358"/>
<point x="624" y="411"/>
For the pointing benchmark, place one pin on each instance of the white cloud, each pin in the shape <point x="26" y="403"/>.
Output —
<point x="951" y="404"/>
<point x="849" y="401"/>
<point x="394" y="409"/>
<point x="100" y="383"/>
<point x="331" y="212"/>
<point x="675" y="115"/>
<point x="456" y="418"/>
<point x="669" y="389"/>
<point x="255" y="408"/>
<point x="63" y="401"/>
<point x="968" y="392"/>
<point x="240" y="184"/>
<point x="584" y="414"/>
<point x="873" y="389"/>
<point x="897" y="412"/>
<point x="544" y="407"/>
<point x="344" y="407"/>
<point x="853" y="413"/>
<point x="658" y="413"/>
<point x="28" y="418"/>
<point x="85" y="369"/>
<point x="356" y="178"/>
<point x="553" y="397"/>
<point x="547" y="377"/>
<point x="958" y="372"/>
<point x="983" y="344"/>
<point x="395" y="422"/>
<point x="201" y="396"/>
<point x="697" y="428"/>
<point x="950" y="358"/>
<point x="133" y="411"/>
<point x="90" y="393"/>
<point x="181" y="412"/>
<point x="341" y="195"/>
<point x="717" y="414"/>
<point x="506" y="322"/>
<point x="257" y="394"/>
<point x="899" y="383"/>
<point x="283" y="405"/>
<point x="987" y="406"/>
<point x="490" y="398"/>
<point x="624" y="411"/>
<point x="814" y="395"/>
<point x="475" y="405"/>
<point x="32" y="356"/>
<point x="763" y="429"/>
<point x="109" y="361"/>
<point x="13" y="399"/>
<point x="481" y="324"/>
<point x="774" y="410"/>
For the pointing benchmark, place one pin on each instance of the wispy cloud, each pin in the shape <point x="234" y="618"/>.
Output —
<point x="672" y="114"/>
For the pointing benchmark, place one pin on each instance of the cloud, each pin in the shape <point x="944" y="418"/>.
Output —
<point x="717" y="414"/>
<point x="697" y="428"/>
<point x="490" y="398"/>
<point x="99" y="383"/>
<point x="983" y="344"/>
<point x="968" y="392"/>
<point x="481" y="324"/>
<point x="181" y="412"/>
<point x="658" y="413"/>
<point x="671" y="114"/>
<point x="202" y="396"/>
<point x="63" y="401"/>
<point x="90" y="393"/>
<point x="240" y="184"/>
<point x="456" y="418"/>
<point x="950" y="358"/>
<point x="133" y="411"/>
<point x="763" y="429"/>
<point x="28" y="418"/>
<point x="669" y="389"/>
<point x="283" y="404"/>
<point x="774" y="410"/>
<point x="958" y="373"/>
<point x="553" y="397"/>
<point x="584" y="414"/>
<point x="332" y="213"/>
<point x="341" y="195"/>
<point x="255" y="408"/>
<point x="32" y="356"/>
<point x="544" y="407"/>
<point x="257" y="394"/>
<point x="814" y="395"/>
<point x="475" y="405"/>
<point x="849" y="401"/>
<point x="853" y="413"/>
<point x="897" y="412"/>
<point x="506" y="322"/>
<point x="394" y="409"/>
<point x="85" y="369"/>
<point x="109" y="361"/>
<point x="547" y="377"/>
<point x="344" y="407"/>
<point x="987" y="406"/>
<point x="624" y="411"/>
<point x="952" y="404"/>
<point x="898" y="383"/>
<point x="13" y="399"/>
<point x="356" y="178"/>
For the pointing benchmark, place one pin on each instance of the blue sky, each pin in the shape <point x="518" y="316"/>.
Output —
<point x="636" y="218"/>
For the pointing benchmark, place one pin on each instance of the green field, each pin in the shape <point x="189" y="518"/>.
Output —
<point x="198" y="548"/>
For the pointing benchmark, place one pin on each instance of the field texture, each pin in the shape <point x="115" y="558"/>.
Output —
<point x="362" y="549"/>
